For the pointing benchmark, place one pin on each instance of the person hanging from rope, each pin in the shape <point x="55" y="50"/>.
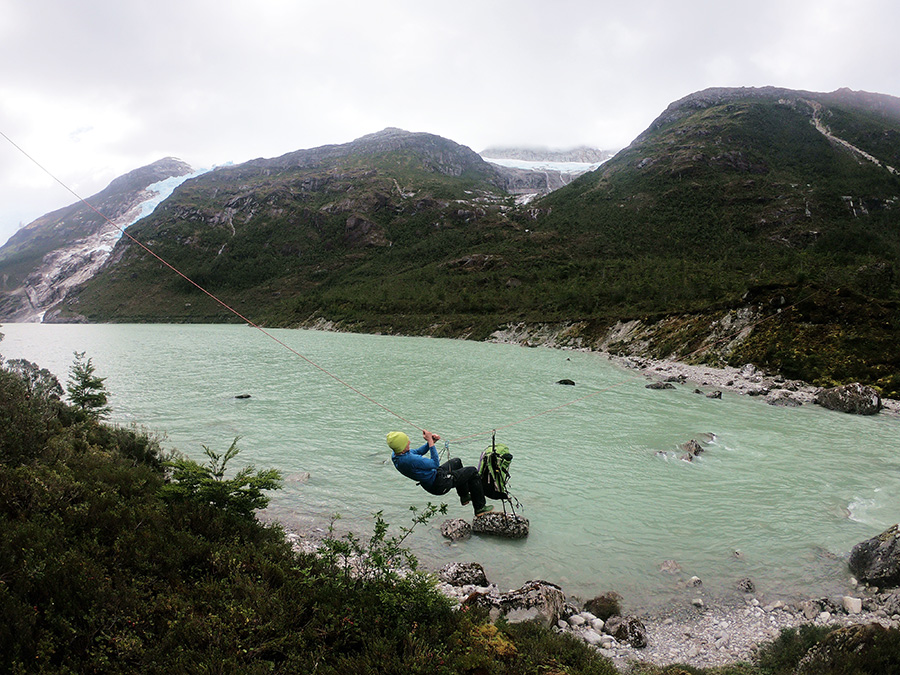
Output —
<point x="423" y="466"/>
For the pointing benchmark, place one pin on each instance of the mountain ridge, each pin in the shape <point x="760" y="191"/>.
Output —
<point x="65" y="247"/>
<point x="733" y="200"/>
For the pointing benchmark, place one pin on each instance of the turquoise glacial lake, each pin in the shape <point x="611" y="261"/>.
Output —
<point x="779" y="495"/>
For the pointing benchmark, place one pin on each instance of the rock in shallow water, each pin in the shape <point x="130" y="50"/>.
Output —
<point x="508" y="525"/>
<point x="456" y="529"/>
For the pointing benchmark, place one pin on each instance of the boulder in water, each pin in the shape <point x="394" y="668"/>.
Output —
<point x="660" y="385"/>
<point x="508" y="525"/>
<point x="456" y="529"/>
<point x="570" y="383"/>
<point x="692" y="447"/>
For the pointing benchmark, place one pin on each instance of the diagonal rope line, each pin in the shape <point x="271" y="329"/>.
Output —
<point x="206" y="292"/>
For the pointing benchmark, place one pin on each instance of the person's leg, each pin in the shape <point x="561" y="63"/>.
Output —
<point x="468" y="479"/>
<point x="462" y="488"/>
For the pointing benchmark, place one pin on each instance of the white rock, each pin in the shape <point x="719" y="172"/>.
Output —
<point x="824" y="617"/>
<point x="852" y="605"/>
<point x="697" y="602"/>
<point x="576" y="621"/>
<point x="597" y="624"/>
<point x="592" y="637"/>
<point x="587" y="616"/>
<point x="695" y="581"/>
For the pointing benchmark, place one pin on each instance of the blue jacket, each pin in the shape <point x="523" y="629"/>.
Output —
<point x="414" y="464"/>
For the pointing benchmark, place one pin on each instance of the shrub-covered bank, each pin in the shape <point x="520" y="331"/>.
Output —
<point x="116" y="558"/>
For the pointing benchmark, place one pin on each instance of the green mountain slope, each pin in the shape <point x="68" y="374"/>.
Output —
<point x="769" y="203"/>
<point x="783" y="203"/>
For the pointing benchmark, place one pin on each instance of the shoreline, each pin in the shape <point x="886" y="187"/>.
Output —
<point x="747" y="380"/>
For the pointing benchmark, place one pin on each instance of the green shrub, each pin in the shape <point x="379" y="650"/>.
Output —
<point x="781" y="656"/>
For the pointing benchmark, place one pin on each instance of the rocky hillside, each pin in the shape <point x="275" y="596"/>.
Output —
<point x="774" y="209"/>
<point x="744" y="225"/>
<point x="41" y="262"/>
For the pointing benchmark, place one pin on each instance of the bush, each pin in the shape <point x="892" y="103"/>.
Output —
<point x="782" y="655"/>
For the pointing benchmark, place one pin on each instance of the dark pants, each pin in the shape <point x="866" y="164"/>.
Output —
<point x="465" y="479"/>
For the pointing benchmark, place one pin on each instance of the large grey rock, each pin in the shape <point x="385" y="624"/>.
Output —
<point x="877" y="560"/>
<point x="538" y="601"/>
<point x="508" y="525"/>
<point x="463" y="574"/>
<point x="855" y="398"/>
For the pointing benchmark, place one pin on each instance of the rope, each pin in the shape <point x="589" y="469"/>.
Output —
<point x="207" y="293"/>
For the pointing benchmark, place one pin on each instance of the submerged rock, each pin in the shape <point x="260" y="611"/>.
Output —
<point x="570" y="383"/>
<point x="660" y="385"/>
<point x="692" y="447"/>
<point x="784" y="401"/>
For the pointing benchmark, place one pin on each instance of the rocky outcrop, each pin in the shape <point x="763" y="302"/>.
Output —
<point x="628" y="629"/>
<point x="360" y="232"/>
<point x="538" y="601"/>
<point x="463" y="574"/>
<point x="855" y="398"/>
<point x="877" y="560"/>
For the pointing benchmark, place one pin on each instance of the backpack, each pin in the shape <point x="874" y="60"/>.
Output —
<point x="493" y="467"/>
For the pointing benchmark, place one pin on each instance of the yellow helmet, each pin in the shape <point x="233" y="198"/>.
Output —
<point x="397" y="441"/>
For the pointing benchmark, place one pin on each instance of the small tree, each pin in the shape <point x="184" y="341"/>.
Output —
<point x="86" y="390"/>
<point x="207" y="485"/>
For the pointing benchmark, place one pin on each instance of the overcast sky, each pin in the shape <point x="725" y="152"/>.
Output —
<point x="92" y="89"/>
